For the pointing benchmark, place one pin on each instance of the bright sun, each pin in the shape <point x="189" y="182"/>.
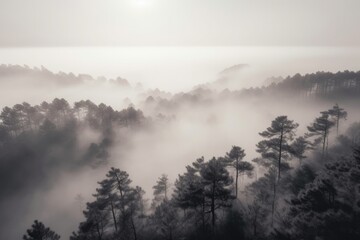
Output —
<point x="142" y="3"/>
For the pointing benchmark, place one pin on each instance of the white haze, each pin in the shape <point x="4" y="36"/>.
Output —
<point x="180" y="68"/>
<point x="169" y="146"/>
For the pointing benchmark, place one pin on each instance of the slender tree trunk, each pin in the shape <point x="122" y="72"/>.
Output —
<point x="324" y="143"/>
<point x="122" y="208"/>
<point x="255" y="224"/>
<point x="280" y="151"/>
<point x="337" y="124"/>
<point x="98" y="232"/>
<point x="273" y="206"/>
<point x="134" y="228"/>
<point x="203" y="214"/>
<point x="237" y="177"/>
<point x="327" y="144"/>
<point x="113" y="215"/>
<point x="213" y="207"/>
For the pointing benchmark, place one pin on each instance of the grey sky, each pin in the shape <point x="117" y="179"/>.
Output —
<point x="179" y="22"/>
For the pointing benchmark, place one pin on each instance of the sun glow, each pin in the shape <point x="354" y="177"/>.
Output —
<point x="142" y="3"/>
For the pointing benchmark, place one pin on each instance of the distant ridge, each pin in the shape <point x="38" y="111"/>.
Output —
<point x="43" y="75"/>
<point x="233" y="69"/>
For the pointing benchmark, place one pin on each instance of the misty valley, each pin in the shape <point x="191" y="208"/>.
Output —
<point x="277" y="161"/>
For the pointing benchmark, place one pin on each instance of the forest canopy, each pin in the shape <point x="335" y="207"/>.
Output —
<point x="309" y="189"/>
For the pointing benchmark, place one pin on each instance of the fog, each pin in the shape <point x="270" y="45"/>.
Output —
<point x="166" y="148"/>
<point x="165" y="145"/>
<point x="180" y="68"/>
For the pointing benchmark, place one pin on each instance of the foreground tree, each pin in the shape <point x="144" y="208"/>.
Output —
<point x="337" y="113"/>
<point x="115" y="211"/>
<point x="320" y="129"/>
<point x="299" y="147"/>
<point x="234" y="158"/>
<point x="38" y="231"/>
<point x="161" y="188"/>
<point x="329" y="206"/>
<point x="276" y="148"/>
<point x="263" y="194"/>
<point x="189" y="193"/>
<point x="216" y="180"/>
<point x="166" y="220"/>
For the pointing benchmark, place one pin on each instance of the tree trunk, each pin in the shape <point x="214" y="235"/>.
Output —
<point x="273" y="206"/>
<point x="98" y="232"/>
<point x="203" y="214"/>
<point x="213" y="206"/>
<point x="134" y="228"/>
<point x="324" y="143"/>
<point x="280" y="151"/>
<point x="113" y="215"/>
<point x="254" y="224"/>
<point x="337" y="124"/>
<point x="237" y="177"/>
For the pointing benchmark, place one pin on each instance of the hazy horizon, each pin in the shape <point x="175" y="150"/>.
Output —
<point x="180" y="119"/>
<point x="177" y="69"/>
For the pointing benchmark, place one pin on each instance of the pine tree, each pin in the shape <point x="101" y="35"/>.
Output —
<point x="38" y="231"/>
<point x="189" y="192"/>
<point x="216" y="180"/>
<point x="161" y="188"/>
<point x="276" y="148"/>
<point x="234" y="158"/>
<point x="115" y="210"/>
<point x="337" y="113"/>
<point x="299" y="147"/>
<point x="320" y="129"/>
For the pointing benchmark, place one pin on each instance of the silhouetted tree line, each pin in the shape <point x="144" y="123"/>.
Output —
<point x="308" y="190"/>
<point x="329" y="86"/>
<point x="44" y="76"/>
<point x="344" y="84"/>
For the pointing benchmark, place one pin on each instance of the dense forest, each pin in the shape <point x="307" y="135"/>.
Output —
<point x="320" y="86"/>
<point x="179" y="120"/>
<point x="299" y="187"/>
<point x="42" y="141"/>
<point x="338" y="85"/>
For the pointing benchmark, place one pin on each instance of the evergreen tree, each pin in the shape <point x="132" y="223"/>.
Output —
<point x="189" y="192"/>
<point x="161" y="189"/>
<point x="39" y="232"/>
<point x="263" y="196"/>
<point x="276" y="148"/>
<point x="299" y="147"/>
<point x="234" y="158"/>
<point x="337" y="113"/>
<point x="166" y="221"/>
<point x="320" y="129"/>
<point x="115" y="210"/>
<point x="216" y="180"/>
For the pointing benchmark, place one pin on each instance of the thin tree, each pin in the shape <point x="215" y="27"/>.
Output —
<point x="337" y="113"/>
<point x="189" y="192"/>
<point x="320" y="129"/>
<point x="162" y="187"/>
<point x="216" y="180"/>
<point x="234" y="158"/>
<point x="276" y="146"/>
<point x="299" y="147"/>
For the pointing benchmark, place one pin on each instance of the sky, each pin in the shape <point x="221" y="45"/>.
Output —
<point x="39" y="23"/>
